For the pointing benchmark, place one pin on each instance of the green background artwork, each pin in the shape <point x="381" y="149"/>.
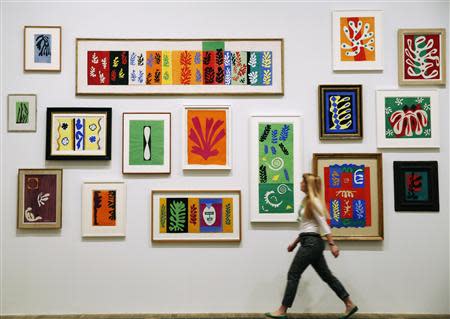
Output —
<point x="136" y="155"/>
<point x="400" y="103"/>
<point x="276" y="168"/>
<point x="22" y="111"/>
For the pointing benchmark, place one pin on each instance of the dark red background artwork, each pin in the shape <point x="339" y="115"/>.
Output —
<point x="417" y="57"/>
<point x="40" y="195"/>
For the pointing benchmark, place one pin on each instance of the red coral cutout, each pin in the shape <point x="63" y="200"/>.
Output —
<point x="205" y="141"/>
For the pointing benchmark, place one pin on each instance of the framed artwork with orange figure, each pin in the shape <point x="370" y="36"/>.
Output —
<point x="104" y="209"/>
<point x="206" y="137"/>
<point x="357" y="40"/>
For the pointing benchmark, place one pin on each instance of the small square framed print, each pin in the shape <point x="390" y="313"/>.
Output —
<point x="416" y="186"/>
<point x="421" y="57"/>
<point x="40" y="198"/>
<point x="22" y="111"/>
<point x="407" y="119"/>
<point x="42" y="48"/>
<point x="104" y="209"/>
<point x="357" y="40"/>
<point x="340" y="112"/>
<point x="146" y="143"/>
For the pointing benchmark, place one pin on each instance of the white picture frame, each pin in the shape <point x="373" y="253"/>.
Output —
<point x="42" y="48"/>
<point x="391" y="130"/>
<point x="196" y="144"/>
<point x="22" y="112"/>
<point x="264" y="213"/>
<point x="129" y="163"/>
<point x="375" y="62"/>
<point x="97" y="223"/>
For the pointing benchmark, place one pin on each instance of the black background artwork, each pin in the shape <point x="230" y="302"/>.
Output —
<point x="118" y="72"/>
<point x="413" y="178"/>
<point x="177" y="215"/>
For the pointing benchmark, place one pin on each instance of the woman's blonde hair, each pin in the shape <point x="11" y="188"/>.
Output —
<point x="313" y="185"/>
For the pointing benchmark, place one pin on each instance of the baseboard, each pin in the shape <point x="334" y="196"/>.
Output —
<point x="228" y="316"/>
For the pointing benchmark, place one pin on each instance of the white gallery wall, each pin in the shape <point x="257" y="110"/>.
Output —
<point x="55" y="272"/>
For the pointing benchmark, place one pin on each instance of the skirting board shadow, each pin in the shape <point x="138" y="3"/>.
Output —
<point x="227" y="316"/>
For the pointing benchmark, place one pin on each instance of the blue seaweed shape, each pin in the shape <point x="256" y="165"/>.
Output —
<point x="284" y="134"/>
<point x="273" y="149"/>
<point x="141" y="76"/>
<point x="197" y="58"/>
<point x="150" y="60"/>
<point x="133" y="75"/>
<point x="133" y="58"/>
<point x="275" y="136"/>
<point x="198" y="75"/>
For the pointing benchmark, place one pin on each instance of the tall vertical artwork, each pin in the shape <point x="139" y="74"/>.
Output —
<point x="421" y="57"/>
<point x="196" y="215"/>
<point x="146" y="143"/>
<point x="357" y="40"/>
<point x="275" y="167"/>
<point x="207" y="137"/>
<point x="78" y="133"/>
<point x="104" y="208"/>
<point x="40" y="198"/>
<point x="340" y="112"/>
<point x="180" y="66"/>
<point x="407" y="119"/>
<point x="42" y="48"/>
<point x="352" y="194"/>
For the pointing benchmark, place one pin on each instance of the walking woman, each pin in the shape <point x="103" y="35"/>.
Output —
<point x="312" y="219"/>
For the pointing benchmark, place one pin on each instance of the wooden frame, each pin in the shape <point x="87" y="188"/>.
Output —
<point x="104" y="209"/>
<point x="100" y="140"/>
<point x="365" y="219"/>
<point x="29" y="59"/>
<point x="365" y="59"/>
<point x="209" y="144"/>
<point x="275" y="164"/>
<point x="352" y="97"/>
<point x="150" y="164"/>
<point x="31" y="113"/>
<point x="44" y="188"/>
<point x="407" y="119"/>
<point x="268" y="81"/>
<point x="215" y="226"/>
<point x="436" y="64"/>
<point x="417" y="196"/>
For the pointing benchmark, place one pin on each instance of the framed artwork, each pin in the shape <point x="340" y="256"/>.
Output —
<point x="416" y="186"/>
<point x="40" y="198"/>
<point x="340" y="112"/>
<point x="353" y="194"/>
<point x="407" y="119"/>
<point x="104" y="209"/>
<point x="206" y="137"/>
<point x="275" y="166"/>
<point x="179" y="66"/>
<point x="22" y="112"/>
<point x="357" y="40"/>
<point x="75" y="133"/>
<point x="421" y="57"/>
<point x="42" y="48"/>
<point x="194" y="215"/>
<point x="146" y="143"/>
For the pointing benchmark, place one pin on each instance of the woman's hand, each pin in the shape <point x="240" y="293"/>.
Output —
<point x="335" y="250"/>
<point x="292" y="246"/>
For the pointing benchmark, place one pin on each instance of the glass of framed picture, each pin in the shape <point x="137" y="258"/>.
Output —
<point x="22" y="112"/>
<point x="207" y="137"/>
<point x="407" y="119"/>
<point x="104" y="209"/>
<point x="146" y="143"/>
<point x="42" y="48"/>
<point x="196" y="215"/>
<point x="357" y="40"/>
<point x="75" y="133"/>
<point x="416" y="186"/>
<point x="39" y="198"/>
<point x="179" y="66"/>
<point x="421" y="57"/>
<point x="275" y="166"/>
<point x="353" y="194"/>
<point x="340" y="112"/>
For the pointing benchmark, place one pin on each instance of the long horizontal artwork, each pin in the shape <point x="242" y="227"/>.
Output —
<point x="185" y="66"/>
<point x="187" y="215"/>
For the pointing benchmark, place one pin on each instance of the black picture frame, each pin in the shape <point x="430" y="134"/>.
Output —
<point x="51" y="111"/>
<point x="353" y="92"/>
<point x="429" y="169"/>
